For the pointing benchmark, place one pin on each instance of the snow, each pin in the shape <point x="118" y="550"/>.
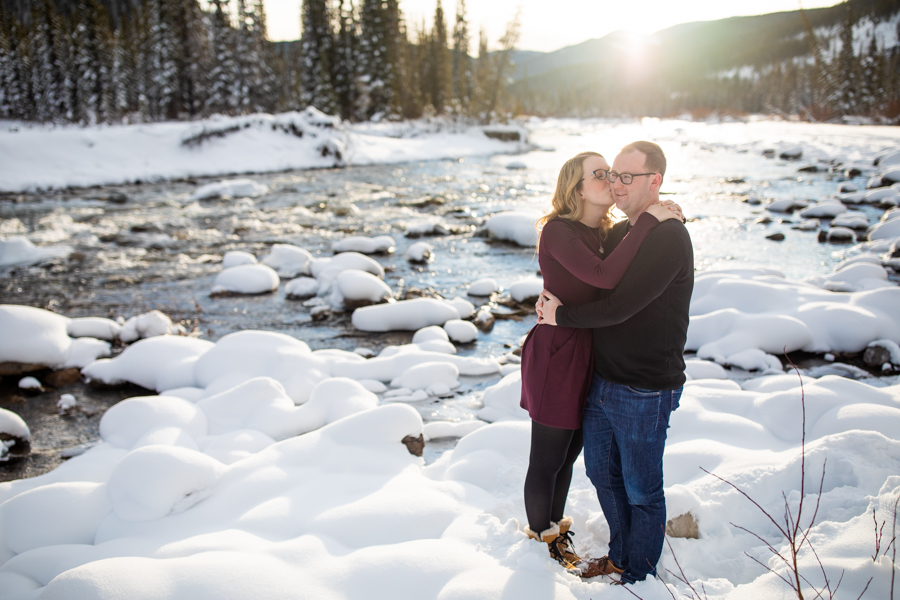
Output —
<point x="228" y="189"/>
<point x="420" y="252"/>
<point x="95" y="327"/>
<point x="36" y="336"/>
<point x="514" y="226"/>
<point x="739" y="310"/>
<point x="288" y="260"/>
<point x="146" y="325"/>
<point x="246" y="279"/>
<point x="888" y="230"/>
<point x="405" y="315"/>
<point x="45" y="156"/>
<point x="30" y="383"/>
<point x="828" y="208"/>
<point x="301" y="287"/>
<point x="461" y="331"/>
<point x="12" y="424"/>
<point x="234" y="258"/>
<point x="66" y="402"/>
<point x="365" y="245"/>
<point x="354" y="285"/>
<point x="19" y="250"/>
<point x="526" y="289"/>
<point x="483" y="287"/>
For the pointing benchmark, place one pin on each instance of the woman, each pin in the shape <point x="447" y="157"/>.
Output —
<point x="556" y="361"/>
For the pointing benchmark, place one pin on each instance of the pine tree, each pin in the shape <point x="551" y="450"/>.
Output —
<point x="219" y="85"/>
<point x="317" y="56"/>
<point x="92" y="62"/>
<point x="846" y="68"/>
<point x="14" y="95"/>
<point x="872" y="92"/>
<point x="191" y="56"/>
<point x="438" y="77"/>
<point x="262" y="88"/>
<point x="344" y="68"/>
<point x="374" y="70"/>
<point x="461" y="67"/>
<point x="47" y="73"/>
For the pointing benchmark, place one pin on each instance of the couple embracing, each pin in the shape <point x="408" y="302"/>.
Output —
<point x="603" y="368"/>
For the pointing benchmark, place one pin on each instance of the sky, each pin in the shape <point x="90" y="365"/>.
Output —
<point x="551" y="25"/>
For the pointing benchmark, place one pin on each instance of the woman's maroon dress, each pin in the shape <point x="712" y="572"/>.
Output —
<point x="556" y="361"/>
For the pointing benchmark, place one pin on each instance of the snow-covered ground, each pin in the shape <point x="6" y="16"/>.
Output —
<point x="42" y="157"/>
<point x="263" y="469"/>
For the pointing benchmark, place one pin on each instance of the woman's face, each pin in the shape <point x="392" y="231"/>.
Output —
<point x="595" y="191"/>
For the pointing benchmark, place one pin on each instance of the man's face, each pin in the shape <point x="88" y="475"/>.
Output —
<point x="634" y="198"/>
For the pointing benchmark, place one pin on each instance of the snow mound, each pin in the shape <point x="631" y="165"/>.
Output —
<point x="501" y="400"/>
<point x="147" y="325"/>
<point x="356" y="286"/>
<point x="288" y="260"/>
<point x="483" y="287"/>
<point x="514" y="226"/>
<point x="366" y="245"/>
<point x="37" y="336"/>
<point x="157" y="363"/>
<point x="527" y="290"/>
<point x="420" y="252"/>
<point x="235" y="258"/>
<point x="19" y="250"/>
<point x="126" y="423"/>
<point x="230" y="188"/>
<point x="246" y="279"/>
<point x="733" y="311"/>
<point x="461" y="331"/>
<point x="405" y="315"/>
<point x="95" y="327"/>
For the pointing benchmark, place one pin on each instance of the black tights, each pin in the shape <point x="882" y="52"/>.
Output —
<point x="553" y="452"/>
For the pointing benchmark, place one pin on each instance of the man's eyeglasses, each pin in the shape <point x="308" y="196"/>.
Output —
<point x="626" y="178"/>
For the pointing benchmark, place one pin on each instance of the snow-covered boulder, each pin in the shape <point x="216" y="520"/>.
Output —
<point x="420" y="252"/>
<point x="301" y="287"/>
<point x="40" y="337"/>
<point x="235" y="258"/>
<point x="786" y="206"/>
<point x="483" y="287"/>
<point x="230" y="188"/>
<point x="14" y="436"/>
<point x="886" y="230"/>
<point x="850" y="220"/>
<point x="365" y="245"/>
<point x="405" y="315"/>
<point x="827" y="208"/>
<point x="461" y="331"/>
<point x="125" y="424"/>
<point x="354" y="288"/>
<point x="156" y="363"/>
<point x="95" y="327"/>
<point x="288" y="260"/>
<point x="147" y="325"/>
<point x="514" y="226"/>
<point x="501" y="400"/>
<point x="246" y="279"/>
<point x="19" y="250"/>
<point x="527" y="290"/>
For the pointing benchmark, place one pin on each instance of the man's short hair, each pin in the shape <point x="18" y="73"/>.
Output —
<point x="656" y="160"/>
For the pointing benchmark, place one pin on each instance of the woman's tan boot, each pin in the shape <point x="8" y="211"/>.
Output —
<point x="550" y="537"/>
<point x="564" y="541"/>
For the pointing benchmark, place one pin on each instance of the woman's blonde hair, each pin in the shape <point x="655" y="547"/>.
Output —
<point x="566" y="201"/>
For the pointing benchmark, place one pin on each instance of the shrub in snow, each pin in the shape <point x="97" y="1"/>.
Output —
<point x="125" y="423"/>
<point x="19" y="250"/>
<point x="461" y="331"/>
<point x="37" y="336"/>
<point x="156" y="363"/>
<point x="288" y="260"/>
<point x="482" y="287"/>
<point x="146" y="325"/>
<point x="230" y="188"/>
<point x="301" y="288"/>
<point x="420" y="252"/>
<point x="154" y="481"/>
<point x="68" y="513"/>
<point x="365" y="245"/>
<point x="406" y="315"/>
<point x="94" y="327"/>
<point x="422" y="375"/>
<point x="501" y="400"/>
<point x="246" y="279"/>
<point x="527" y="291"/>
<point x="514" y="226"/>
<point x="355" y="288"/>
<point x="235" y="258"/>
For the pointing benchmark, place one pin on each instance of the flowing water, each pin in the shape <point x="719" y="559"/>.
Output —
<point x="138" y="248"/>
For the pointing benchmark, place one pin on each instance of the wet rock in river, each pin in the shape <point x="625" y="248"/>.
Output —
<point x="63" y="377"/>
<point x="776" y="237"/>
<point x="876" y="355"/>
<point x="17" y="368"/>
<point x="769" y="152"/>
<point x="791" y="153"/>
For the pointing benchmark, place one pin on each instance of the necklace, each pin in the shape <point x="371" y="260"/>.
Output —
<point x="596" y="236"/>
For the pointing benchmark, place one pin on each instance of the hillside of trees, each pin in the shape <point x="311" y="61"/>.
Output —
<point x="793" y="63"/>
<point x="110" y="61"/>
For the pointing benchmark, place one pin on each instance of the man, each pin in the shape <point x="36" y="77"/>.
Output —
<point x="639" y="333"/>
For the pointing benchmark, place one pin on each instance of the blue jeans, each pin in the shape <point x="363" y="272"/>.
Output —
<point x="624" y="440"/>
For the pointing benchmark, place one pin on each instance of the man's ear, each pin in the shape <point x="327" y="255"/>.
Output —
<point x="656" y="182"/>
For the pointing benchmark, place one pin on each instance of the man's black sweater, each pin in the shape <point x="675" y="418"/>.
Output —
<point x="640" y="327"/>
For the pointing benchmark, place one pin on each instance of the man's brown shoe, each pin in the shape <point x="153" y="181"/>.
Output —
<point x="594" y="567"/>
